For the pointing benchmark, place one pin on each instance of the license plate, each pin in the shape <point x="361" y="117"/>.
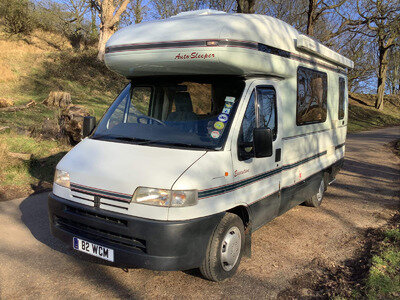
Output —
<point x="93" y="249"/>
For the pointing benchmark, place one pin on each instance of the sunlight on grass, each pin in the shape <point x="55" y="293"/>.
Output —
<point x="383" y="280"/>
<point x="45" y="154"/>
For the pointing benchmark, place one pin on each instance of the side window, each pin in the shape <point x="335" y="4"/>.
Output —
<point x="311" y="96"/>
<point x="266" y="99"/>
<point x="260" y="112"/>
<point x="342" y="89"/>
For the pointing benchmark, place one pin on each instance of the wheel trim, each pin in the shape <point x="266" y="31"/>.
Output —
<point x="230" y="248"/>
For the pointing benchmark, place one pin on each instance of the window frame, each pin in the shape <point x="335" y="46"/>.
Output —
<point x="240" y="151"/>
<point x="297" y="95"/>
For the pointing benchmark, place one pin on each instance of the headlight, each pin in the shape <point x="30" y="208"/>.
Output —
<point x="166" y="198"/>
<point x="61" y="178"/>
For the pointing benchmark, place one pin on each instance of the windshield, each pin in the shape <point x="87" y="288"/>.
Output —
<point x="182" y="113"/>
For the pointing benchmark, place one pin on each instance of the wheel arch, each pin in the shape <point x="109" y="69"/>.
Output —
<point x="243" y="213"/>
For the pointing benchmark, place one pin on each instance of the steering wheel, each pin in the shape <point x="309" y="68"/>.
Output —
<point x="149" y="120"/>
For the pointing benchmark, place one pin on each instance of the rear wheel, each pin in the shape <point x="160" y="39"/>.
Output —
<point x="316" y="199"/>
<point x="225" y="249"/>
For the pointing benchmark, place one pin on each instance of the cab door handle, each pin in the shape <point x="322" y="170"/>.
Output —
<point x="278" y="153"/>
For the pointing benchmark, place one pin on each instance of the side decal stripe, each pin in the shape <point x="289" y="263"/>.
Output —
<point x="339" y="146"/>
<point x="230" y="187"/>
<point x="204" y="193"/>
<point x="224" y="43"/>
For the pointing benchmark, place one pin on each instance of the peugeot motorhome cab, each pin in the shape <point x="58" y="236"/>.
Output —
<point x="229" y="120"/>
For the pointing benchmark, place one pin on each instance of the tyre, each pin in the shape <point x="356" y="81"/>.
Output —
<point x="316" y="199"/>
<point x="224" y="250"/>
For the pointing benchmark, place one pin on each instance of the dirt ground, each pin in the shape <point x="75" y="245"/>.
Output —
<point x="291" y="256"/>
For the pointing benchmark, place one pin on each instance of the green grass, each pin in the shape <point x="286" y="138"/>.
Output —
<point x="365" y="117"/>
<point x="18" y="175"/>
<point x="383" y="281"/>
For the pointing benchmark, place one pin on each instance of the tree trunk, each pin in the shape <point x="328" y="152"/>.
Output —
<point x="105" y="33"/>
<point x="383" y="66"/>
<point x="246" y="6"/>
<point x="138" y="11"/>
<point x="312" y="5"/>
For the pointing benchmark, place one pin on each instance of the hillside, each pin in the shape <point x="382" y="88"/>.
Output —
<point x="363" y="115"/>
<point x="32" y="67"/>
<point x="29" y="69"/>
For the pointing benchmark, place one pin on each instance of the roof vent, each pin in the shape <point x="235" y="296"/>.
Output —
<point x="201" y="12"/>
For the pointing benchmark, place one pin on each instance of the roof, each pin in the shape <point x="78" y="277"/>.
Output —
<point x="186" y="28"/>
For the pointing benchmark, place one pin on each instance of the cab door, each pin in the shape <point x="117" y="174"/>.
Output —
<point x="257" y="180"/>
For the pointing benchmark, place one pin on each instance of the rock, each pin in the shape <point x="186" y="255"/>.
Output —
<point x="6" y="102"/>
<point x="70" y="122"/>
<point x="58" y="99"/>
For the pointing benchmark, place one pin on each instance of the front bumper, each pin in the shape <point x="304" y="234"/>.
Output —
<point x="137" y="242"/>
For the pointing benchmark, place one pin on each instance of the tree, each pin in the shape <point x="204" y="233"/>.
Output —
<point x="393" y="77"/>
<point x="167" y="8"/>
<point x="18" y="18"/>
<point x="317" y="9"/>
<point x="74" y="20"/>
<point x="110" y="12"/>
<point x="380" y="20"/>
<point x="137" y="11"/>
<point x="222" y="5"/>
<point x="246" y="6"/>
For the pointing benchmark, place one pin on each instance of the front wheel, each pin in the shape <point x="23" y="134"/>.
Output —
<point x="225" y="249"/>
<point x="316" y="199"/>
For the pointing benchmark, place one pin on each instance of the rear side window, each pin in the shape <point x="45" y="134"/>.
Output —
<point x="311" y="96"/>
<point x="342" y="88"/>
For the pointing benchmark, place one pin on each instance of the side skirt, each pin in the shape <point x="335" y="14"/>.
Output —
<point x="266" y="209"/>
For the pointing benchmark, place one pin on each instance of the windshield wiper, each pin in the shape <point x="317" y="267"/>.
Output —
<point x="185" y="145"/>
<point x="120" y="138"/>
<point x="140" y="141"/>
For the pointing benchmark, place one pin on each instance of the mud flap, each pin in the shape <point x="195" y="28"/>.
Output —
<point x="247" y="242"/>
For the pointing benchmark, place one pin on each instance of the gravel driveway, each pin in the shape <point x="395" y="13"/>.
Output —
<point x="365" y="195"/>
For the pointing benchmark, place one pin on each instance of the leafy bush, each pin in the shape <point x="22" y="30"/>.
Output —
<point x="17" y="16"/>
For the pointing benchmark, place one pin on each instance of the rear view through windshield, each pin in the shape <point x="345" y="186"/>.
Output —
<point x="185" y="113"/>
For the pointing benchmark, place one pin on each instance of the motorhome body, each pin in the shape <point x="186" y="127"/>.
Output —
<point x="229" y="121"/>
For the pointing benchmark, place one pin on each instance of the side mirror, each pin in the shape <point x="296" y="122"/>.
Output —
<point x="89" y="123"/>
<point x="262" y="139"/>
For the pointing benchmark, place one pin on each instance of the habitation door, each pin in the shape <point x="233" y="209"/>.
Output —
<point x="257" y="180"/>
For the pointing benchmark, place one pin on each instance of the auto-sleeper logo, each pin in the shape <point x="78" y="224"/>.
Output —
<point x="195" y="55"/>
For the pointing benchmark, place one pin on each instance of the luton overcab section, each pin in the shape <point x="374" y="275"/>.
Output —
<point x="228" y="121"/>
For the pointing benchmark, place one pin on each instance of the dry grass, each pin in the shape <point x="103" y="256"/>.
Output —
<point x="6" y="102"/>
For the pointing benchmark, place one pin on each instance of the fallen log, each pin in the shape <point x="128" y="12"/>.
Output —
<point x="23" y="156"/>
<point x="17" y="108"/>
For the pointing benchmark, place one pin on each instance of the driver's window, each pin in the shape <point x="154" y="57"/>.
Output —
<point x="260" y="112"/>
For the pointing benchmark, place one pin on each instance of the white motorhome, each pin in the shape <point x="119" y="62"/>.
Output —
<point x="229" y="120"/>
